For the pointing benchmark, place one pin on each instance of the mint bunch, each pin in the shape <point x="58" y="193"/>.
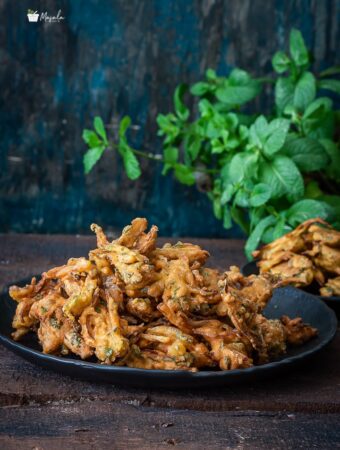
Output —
<point x="267" y="173"/>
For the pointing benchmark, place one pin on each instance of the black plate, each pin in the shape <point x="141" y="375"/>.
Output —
<point x="289" y="301"/>
<point x="251" y="268"/>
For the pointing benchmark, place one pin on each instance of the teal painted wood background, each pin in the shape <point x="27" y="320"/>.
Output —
<point x="123" y="57"/>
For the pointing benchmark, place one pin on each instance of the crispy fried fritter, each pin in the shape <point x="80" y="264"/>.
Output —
<point x="22" y="320"/>
<point x="243" y="300"/>
<point x="182" y="348"/>
<point x="79" y="299"/>
<point x="309" y="253"/>
<point x="296" y="269"/>
<point x="133" y="236"/>
<point x="297" y="332"/>
<point x="74" y="265"/>
<point x="257" y="289"/>
<point x="132" y="304"/>
<point x="328" y="259"/>
<point x="142" y="308"/>
<point x="101" y="330"/>
<point x="193" y="253"/>
<point x="332" y="287"/>
<point x="130" y="265"/>
<point x="228" y="348"/>
<point x="243" y="313"/>
<point x="290" y="242"/>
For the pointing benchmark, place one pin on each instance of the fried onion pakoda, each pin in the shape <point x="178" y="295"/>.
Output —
<point x="133" y="304"/>
<point x="308" y="255"/>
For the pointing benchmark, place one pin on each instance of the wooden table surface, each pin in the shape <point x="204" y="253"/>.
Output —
<point x="44" y="410"/>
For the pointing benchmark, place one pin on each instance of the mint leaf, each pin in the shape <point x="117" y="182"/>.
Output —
<point x="181" y="110"/>
<point x="330" y="85"/>
<point x="238" y="89"/>
<point x="124" y="125"/>
<point x="317" y="109"/>
<point x="297" y="48"/>
<point x="269" y="136"/>
<point x="206" y="109"/>
<point x="260" y="195"/>
<point x="277" y="133"/>
<point x="215" y="126"/>
<point x="318" y="119"/>
<point x="242" y="198"/>
<point x="217" y="147"/>
<point x="333" y="152"/>
<point x="307" y="209"/>
<point x="240" y="217"/>
<point x="256" y="235"/>
<point x="131" y="164"/>
<point x="217" y="208"/>
<point x="283" y="177"/>
<point x="192" y="146"/>
<point x="256" y="214"/>
<point x="211" y="75"/>
<point x="227" y="194"/>
<point x="239" y="77"/>
<point x="201" y="88"/>
<point x="280" y="228"/>
<point x="242" y="165"/>
<point x="307" y="153"/>
<point x="91" y="157"/>
<point x="280" y="62"/>
<point x="284" y="93"/>
<point x="100" y="129"/>
<point x="258" y="132"/>
<point x="268" y="234"/>
<point x="168" y="126"/>
<point x="334" y="70"/>
<point x="184" y="174"/>
<point x="305" y="91"/>
<point x="91" y="138"/>
<point x="170" y="155"/>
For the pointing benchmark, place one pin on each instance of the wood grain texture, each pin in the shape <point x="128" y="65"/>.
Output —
<point x="97" y="425"/>
<point x="43" y="410"/>
<point x="313" y="388"/>
<point x="124" y="57"/>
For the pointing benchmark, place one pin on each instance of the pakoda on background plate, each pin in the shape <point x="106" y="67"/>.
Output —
<point x="307" y="257"/>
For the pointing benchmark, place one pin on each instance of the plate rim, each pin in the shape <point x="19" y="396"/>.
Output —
<point x="24" y="350"/>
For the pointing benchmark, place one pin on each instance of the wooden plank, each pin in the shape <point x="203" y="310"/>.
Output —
<point x="95" y="424"/>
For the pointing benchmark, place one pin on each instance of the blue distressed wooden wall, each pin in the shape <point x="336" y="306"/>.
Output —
<point x="115" y="57"/>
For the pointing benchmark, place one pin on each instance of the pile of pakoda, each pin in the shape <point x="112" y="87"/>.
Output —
<point x="132" y="304"/>
<point x="308" y="255"/>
